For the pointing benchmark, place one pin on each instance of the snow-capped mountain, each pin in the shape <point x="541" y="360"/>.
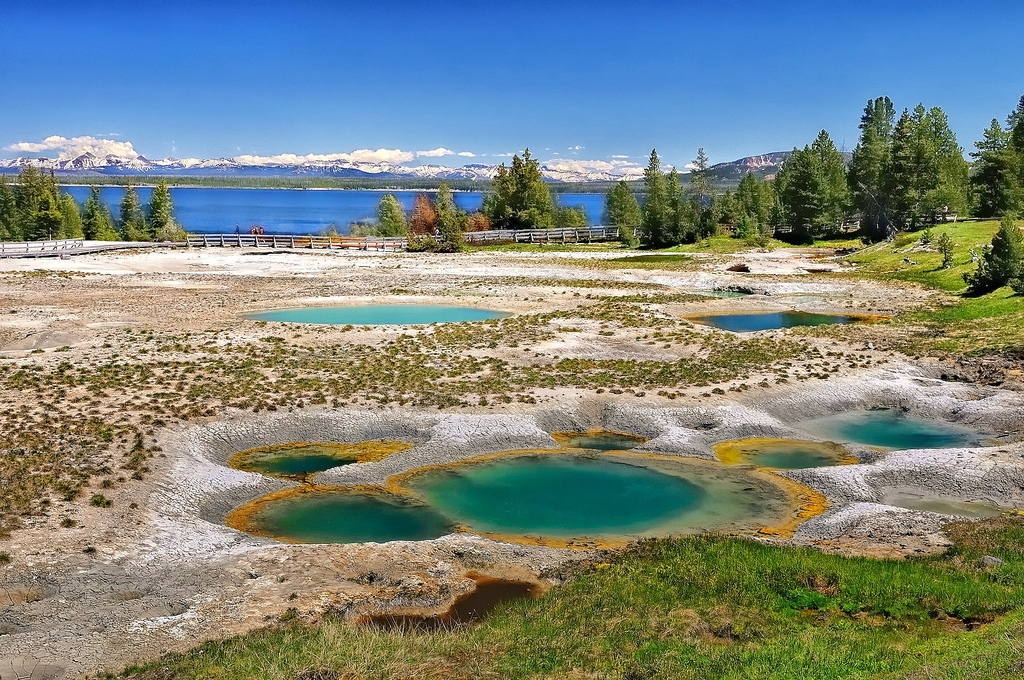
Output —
<point x="89" y="164"/>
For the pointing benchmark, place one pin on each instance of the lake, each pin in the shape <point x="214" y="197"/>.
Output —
<point x="205" y="210"/>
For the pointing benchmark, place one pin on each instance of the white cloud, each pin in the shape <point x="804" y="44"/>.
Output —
<point x="619" y="156"/>
<point x="572" y="165"/>
<point x="76" y="146"/>
<point x="502" y="155"/>
<point x="441" y="151"/>
<point x="577" y="148"/>
<point x="690" y="166"/>
<point x="357" y="156"/>
<point x="434" y="153"/>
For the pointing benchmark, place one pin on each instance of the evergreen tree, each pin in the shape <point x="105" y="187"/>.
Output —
<point x="568" y="217"/>
<point x="755" y="198"/>
<point x="836" y="199"/>
<point x="1002" y="262"/>
<point x="71" y="227"/>
<point x="676" y="223"/>
<point x="655" y="209"/>
<point x="97" y="224"/>
<point x="449" y="219"/>
<point x="926" y="171"/>
<point x="701" y="215"/>
<point x="161" y="215"/>
<point x="390" y="216"/>
<point x="867" y="168"/>
<point x="799" y="185"/>
<point x="520" y="198"/>
<point x="623" y="211"/>
<point x="133" y="220"/>
<point x="994" y="174"/>
<point x="8" y="212"/>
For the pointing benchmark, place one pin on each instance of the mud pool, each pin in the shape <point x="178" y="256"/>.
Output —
<point x="892" y="429"/>
<point x="598" y="441"/>
<point x="762" y="321"/>
<point x="782" y="454"/>
<point x="385" y="315"/>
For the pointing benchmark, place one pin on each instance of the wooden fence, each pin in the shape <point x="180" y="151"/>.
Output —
<point x="311" y="242"/>
<point x="39" y="248"/>
<point x="567" y="235"/>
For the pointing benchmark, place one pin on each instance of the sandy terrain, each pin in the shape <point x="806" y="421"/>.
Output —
<point x="159" y="571"/>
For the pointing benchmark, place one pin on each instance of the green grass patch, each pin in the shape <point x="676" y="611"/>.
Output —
<point x="699" y="607"/>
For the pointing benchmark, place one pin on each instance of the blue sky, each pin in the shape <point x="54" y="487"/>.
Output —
<point x="572" y="80"/>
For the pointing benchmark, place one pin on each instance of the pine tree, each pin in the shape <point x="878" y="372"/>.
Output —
<point x="994" y="174"/>
<point x="449" y="219"/>
<point x="161" y="215"/>
<point x="799" y="185"/>
<point x="8" y="212"/>
<point x="97" y="225"/>
<point x="133" y="220"/>
<point x="676" y="223"/>
<point x="1002" y="262"/>
<point x="836" y="199"/>
<point x="71" y="226"/>
<point x="520" y="198"/>
<point x="623" y="211"/>
<point x="390" y="216"/>
<point x="867" y="168"/>
<point x="655" y="208"/>
<point x="701" y="214"/>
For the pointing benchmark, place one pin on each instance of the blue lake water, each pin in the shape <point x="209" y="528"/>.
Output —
<point x="295" y="211"/>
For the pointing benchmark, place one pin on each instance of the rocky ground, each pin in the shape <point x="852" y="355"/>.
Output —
<point x="88" y="587"/>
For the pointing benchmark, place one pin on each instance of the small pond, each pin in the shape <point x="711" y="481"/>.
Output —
<point x="296" y="461"/>
<point x="892" y="429"/>
<point x="598" y="440"/>
<point x="329" y="515"/>
<point x="386" y="315"/>
<point x="761" y="321"/>
<point x="782" y="454"/>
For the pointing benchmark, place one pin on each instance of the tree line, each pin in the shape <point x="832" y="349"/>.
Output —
<point x="905" y="172"/>
<point x="519" y="198"/>
<point x="35" y="209"/>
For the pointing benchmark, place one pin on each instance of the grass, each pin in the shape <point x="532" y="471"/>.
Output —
<point x="956" y="324"/>
<point x="698" y="607"/>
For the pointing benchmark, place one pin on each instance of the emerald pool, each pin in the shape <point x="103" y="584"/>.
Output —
<point x="339" y="516"/>
<point x="892" y="429"/>
<point x="296" y="461"/>
<point x="371" y="315"/>
<point x="557" y="496"/>
<point x="761" y="321"/>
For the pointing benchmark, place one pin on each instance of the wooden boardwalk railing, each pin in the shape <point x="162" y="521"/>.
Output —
<point x="567" y="235"/>
<point x="77" y="246"/>
<point x="39" y="248"/>
<point x="312" y="242"/>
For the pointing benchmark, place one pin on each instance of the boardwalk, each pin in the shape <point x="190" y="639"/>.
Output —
<point x="76" y="246"/>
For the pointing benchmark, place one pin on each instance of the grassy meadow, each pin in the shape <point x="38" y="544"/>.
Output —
<point x="698" y="607"/>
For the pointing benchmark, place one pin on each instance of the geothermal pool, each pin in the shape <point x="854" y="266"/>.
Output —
<point x="562" y="495"/>
<point x="782" y="454"/>
<point x="762" y="321"/>
<point x="295" y="461"/>
<point x="892" y="429"/>
<point x="371" y="315"/>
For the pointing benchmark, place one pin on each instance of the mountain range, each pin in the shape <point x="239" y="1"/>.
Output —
<point x="87" y="164"/>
